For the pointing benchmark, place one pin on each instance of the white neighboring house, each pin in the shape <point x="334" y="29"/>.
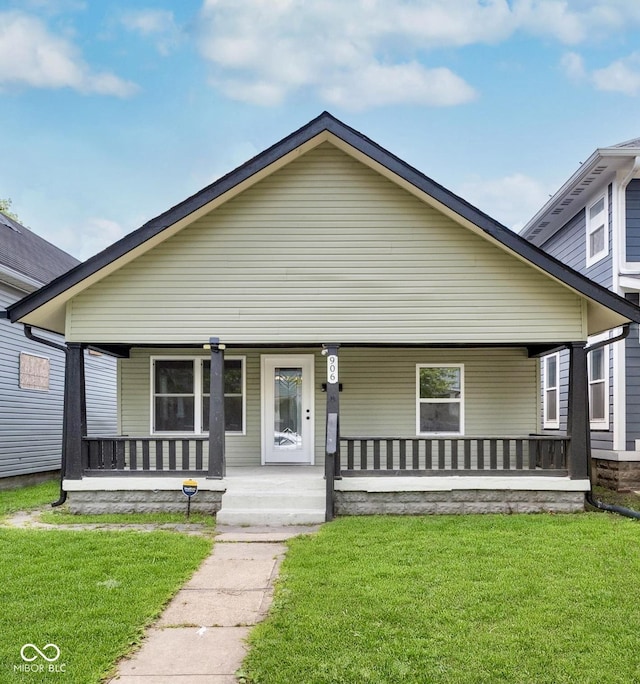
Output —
<point x="32" y="376"/>
<point x="592" y="224"/>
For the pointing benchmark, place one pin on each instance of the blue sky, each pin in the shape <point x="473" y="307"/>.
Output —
<point x="112" y="111"/>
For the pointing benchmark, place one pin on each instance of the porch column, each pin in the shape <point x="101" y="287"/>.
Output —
<point x="579" y="455"/>
<point x="333" y="398"/>
<point x="216" y="411"/>
<point x="74" y="423"/>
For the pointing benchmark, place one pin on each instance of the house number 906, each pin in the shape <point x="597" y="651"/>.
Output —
<point x="332" y="369"/>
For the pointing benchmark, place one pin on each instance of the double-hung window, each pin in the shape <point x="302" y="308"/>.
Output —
<point x="180" y="395"/>
<point x="597" y="230"/>
<point x="598" y="366"/>
<point x="551" y="391"/>
<point x="440" y="399"/>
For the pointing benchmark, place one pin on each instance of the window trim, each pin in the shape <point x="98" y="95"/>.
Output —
<point x="546" y="422"/>
<point x="460" y="400"/>
<point x="591" y="227"/>
<point x="606" y="351"/>
<point x="197" y="393"/>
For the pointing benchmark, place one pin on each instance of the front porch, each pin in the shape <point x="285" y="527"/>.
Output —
<point x="364" y="472"/>
<point x="277" y="495"/>
<point x="383" y="475"/>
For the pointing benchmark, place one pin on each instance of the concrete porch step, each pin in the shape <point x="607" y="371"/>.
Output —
<point x="273" y="496"/>
<point x="273" y="500"/>
<point x="270" y="517"/>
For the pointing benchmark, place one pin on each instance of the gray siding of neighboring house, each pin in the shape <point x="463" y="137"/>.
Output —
<point x="31" y="420"/>
<point x="569" y="245"/>
<point x="632" y="398"/>
<point x="633" y="220"/>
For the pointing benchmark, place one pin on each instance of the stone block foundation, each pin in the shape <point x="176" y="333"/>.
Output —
<point x="621" y="476"/>
<point x="141" y="501"/>
<point x="458" y="501"/>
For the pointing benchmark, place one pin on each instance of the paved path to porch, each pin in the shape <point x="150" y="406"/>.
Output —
<point x="201" y="635"/>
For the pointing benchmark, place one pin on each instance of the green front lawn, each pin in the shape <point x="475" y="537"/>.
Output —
<point x="90" y="593"/>
<point x="62" y="516"/>
<point x="537" y="599"/>
<point x="26" y="498"/>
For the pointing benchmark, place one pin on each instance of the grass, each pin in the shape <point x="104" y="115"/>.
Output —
<point x="64" y="517"/>
<point x="27" y="498"/>
<point x="89" y="592"/>
<point x="626" y="499"/>
<point x="479" y="599"/>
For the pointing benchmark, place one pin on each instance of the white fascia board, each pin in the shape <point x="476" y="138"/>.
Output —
<point x="617" y="155"/>
<point x="18" y="280"/>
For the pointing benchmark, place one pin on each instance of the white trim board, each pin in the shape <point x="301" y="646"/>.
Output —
<point x="135" y="483"/>
<point x="457" y="483"/>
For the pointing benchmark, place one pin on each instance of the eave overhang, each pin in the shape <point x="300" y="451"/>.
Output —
<point x="46" y="308"/>
<point x="583" y="186"/>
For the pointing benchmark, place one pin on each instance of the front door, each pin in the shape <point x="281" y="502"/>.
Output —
<point x="287" y="408"/>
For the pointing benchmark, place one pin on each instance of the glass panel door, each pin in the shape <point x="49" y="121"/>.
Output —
<point x="287" y="425"/>
<point x="287" y="383"/>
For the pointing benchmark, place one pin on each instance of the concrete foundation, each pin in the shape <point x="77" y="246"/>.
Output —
<point x="140" y="501"/>
<point x="457" y="502"/>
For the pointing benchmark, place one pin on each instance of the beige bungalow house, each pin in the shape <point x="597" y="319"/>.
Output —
<point x="325" y="330"/>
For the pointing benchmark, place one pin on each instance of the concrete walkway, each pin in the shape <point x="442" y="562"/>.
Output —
<point x="201" y="635"/>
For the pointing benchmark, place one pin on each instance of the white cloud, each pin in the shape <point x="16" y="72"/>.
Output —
<point x="370" y="53"/>
<point x="263" y="51"/>
<point x="512" y="200"/>
<point x="621" y="76"/>
<point x="33" y="56"/>
<point x="89" y="238"/>
<point x="573" y="22"/>
<point x="573" y="66"/>
<point x="377" y="85"/>
<point x="159" y="24"/>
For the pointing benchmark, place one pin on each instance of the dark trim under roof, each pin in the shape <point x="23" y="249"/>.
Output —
<point x="327" y="122"/>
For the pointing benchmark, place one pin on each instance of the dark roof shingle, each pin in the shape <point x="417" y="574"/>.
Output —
<point x="29" y="254"/>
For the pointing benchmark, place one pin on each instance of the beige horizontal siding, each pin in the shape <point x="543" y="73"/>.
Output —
<point x="378" y="397"/>
<point x="325" y="249"/>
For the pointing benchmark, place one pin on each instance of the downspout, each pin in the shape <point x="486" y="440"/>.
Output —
<point x="588" y="496"/>
<point x="28" y="333"/>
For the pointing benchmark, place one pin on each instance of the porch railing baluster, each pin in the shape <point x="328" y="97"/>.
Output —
<point x="542" y="454"/>
<point x="133" y="455"/>
<point x="389" y="454"/>
<point x="454" y="454"/>
<point x="493" y="454"/>
<point x="199" y="465"/>
<point x="506" y="454"/>
<point x="415" y="454"/>
<point x="350" y="454"/>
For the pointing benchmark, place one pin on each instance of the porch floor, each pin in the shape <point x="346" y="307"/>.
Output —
<point x="273" y="495"/>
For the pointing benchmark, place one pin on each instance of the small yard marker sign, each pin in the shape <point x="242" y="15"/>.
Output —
<point x="189" y="489"/>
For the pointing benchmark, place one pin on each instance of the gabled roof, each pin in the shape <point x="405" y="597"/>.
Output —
<point x="583" y="186"/>
<point x="28" y="257"/>
<point x="50" y="300"/>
